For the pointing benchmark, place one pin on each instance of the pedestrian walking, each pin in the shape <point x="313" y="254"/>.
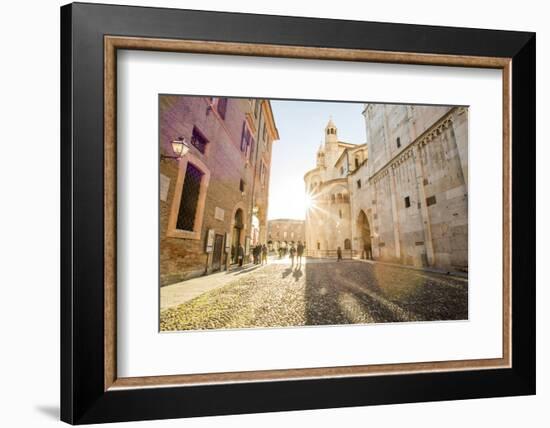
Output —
<point x="292" y="253"/>
<point x="300" y="251"/>
<point x="264" y="254"/>
<point x="257" y="250"/>
<point x="339" y="253"/>
<point x="240" y="255"/>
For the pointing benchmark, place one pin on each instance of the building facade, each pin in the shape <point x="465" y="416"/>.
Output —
<point x="283" y="232"/>
<point x="328" y="224"/>
<point x="215" y="197"/>
<point x="407" y="189"/>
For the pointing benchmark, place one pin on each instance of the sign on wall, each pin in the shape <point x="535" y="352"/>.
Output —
<point x="164" y="187"/>
<point x="211" y="234"/>
<point x="219" y="214"/>
<point x="227" y="242"/>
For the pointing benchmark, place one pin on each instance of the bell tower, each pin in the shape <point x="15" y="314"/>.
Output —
<point x="321" y="156"/>
<point x="331" y="136"/>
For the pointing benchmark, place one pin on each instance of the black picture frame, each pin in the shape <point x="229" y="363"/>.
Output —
<point x="83" y="398"/>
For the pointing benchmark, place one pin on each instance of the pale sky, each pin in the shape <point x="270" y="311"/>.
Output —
<point x="301" y="126"/>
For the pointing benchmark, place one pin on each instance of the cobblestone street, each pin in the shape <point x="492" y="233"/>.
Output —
<point x="322" y="292"/>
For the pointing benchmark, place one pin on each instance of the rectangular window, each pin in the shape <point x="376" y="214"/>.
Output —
<point x="222" y="107"/>
<point x="262" y="172"/>
<point x="358" y="184"/>
<point x="241" y="185"/>
<point x="189" y="198"/>
<point x="250" y="152"/>
<point x="407" y="202"/>
<point x="398" y="142"/>
<point x="430" y="201"/>
<point x="356" y="163"/>
<point x="247" y="142"/>
<point x="245" y="136"/>
<point x="198" y="140"/>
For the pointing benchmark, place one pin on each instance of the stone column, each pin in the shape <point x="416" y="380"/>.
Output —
<point x="419" y="172"/>
<point x="395" y="216"/>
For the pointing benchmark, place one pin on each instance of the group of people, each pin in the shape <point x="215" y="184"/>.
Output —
<point x="296" y="252"/>
<point x="259" y="254"/>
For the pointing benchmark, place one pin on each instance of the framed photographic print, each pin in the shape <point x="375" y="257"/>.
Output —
<point x="265" y="213"/>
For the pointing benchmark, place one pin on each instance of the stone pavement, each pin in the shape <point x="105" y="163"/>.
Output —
<point x="320" y="292"/>
<point x="181" y="292"/>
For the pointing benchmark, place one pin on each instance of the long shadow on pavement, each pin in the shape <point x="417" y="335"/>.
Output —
<point x="357" y="292"/>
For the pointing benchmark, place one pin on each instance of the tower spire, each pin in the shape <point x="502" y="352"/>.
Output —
<point x="331" y="132"/>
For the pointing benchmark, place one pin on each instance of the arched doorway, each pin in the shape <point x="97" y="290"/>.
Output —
<point x="236" y="235"/>
<point x="363" y="227"/>
<point x="347" y="244"/>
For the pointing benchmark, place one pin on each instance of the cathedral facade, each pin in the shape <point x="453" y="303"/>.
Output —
<point x="328" y="217"/>
<point x="402" y="197"/>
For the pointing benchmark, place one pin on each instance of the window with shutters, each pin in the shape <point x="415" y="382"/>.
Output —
<point x="263" y="170"/>
<point x="247" y="142"/>
<point x="222" y="107"/>
<point x="198" y="140"/>
<point x="245" y="135"/>
<point x="189" y="198"/>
